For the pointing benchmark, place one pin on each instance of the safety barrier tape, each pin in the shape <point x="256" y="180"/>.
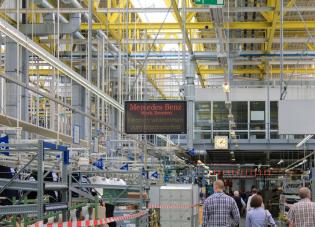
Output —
<point x="172" y="206"/>
<point x="87" y="223"/>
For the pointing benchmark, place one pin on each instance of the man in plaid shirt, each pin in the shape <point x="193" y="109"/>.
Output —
<point x="220" y="210"/>
<point x="302" y="213"/>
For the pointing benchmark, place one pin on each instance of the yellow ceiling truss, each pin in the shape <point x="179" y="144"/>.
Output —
<point x="101" y="17"/>
<point x="117" y="27"/>
<point x="204" y="71"/>
<point x="275" y="21"/>
<point x="311" y="46"/>
<point x="220" y="71"/>
<point x="175" y="27"/>
<point x="187" y="39"/>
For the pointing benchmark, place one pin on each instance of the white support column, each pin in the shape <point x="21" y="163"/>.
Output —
<point x="11" y="70"/>
<point x="189" y="73"/>
<point x="16" y="99"/>
<point x="88" y="125"/>
<point x="78" y="102"/>
<point x="267" y="107"/>
<point x="313" y="180"/>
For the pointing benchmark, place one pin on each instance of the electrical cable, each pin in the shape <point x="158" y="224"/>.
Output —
<point x="310" y="38"/>
<point x="149" y="51"/>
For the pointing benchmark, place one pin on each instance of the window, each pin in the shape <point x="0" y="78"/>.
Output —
<point x="203" y="115"/>
<point x="274" y="115"/>
<point x="240" y="113"/>
<point x="220" y="116"/>
<point x="257" y="120"/>
<point x="257" y="115"/>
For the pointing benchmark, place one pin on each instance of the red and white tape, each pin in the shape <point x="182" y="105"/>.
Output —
<point x="90" y="222"/>
<point x="172" y="206"/>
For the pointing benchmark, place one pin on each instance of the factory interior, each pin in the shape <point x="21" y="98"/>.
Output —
<point x="128" y="112"/>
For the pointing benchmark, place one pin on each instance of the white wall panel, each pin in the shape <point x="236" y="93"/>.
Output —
<point x="297" y="117"/>
<point x="254" y="94"/>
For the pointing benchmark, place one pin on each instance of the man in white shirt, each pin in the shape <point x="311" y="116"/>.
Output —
<point x="254" y="192"/>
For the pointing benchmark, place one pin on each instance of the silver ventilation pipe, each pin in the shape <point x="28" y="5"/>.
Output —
<point x="45" y="28"/>
<point x="76" y="4"/>
<point x="46" y="4"/>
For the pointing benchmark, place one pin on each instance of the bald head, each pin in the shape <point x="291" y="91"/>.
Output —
<point x="218" y="186"/>
<point x="304" y="193"/>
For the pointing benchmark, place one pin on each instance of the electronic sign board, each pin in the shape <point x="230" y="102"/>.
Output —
<point x="156" y="117"/>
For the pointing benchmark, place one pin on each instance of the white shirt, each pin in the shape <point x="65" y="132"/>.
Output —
<point x="248" y="207"/>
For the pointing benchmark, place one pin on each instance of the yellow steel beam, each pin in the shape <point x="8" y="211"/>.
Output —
<point x="267" y="14"/>
<point x="220" y="71"/>
<point x="149" y="77"/>
<point x="216" y="71"/>
<point x="190" y="16"/>
<point x="101" y="17"/>
<point x="251" y="25"/>
<point x="7" y="18"/>
<point x="271" y="31"/>
<point x="275" y="22"/>
<point x="310" y="46"/>
<point x="113" y="18"/>
<point x="103" y="20"/>
<point x="149" y="26"/>
<point x="261" y="68"/>
<point x="188" y="42"/>
<point x="154" y="84"/>
<point x="169" y="4"/>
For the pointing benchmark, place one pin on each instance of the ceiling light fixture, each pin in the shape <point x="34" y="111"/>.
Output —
<point x="307" y="138"/>
<point x="226" y="88"/>
<point x="280" y="162"/>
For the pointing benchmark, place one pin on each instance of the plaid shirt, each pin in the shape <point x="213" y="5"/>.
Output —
<point x="302" y="214"/>
<point x="220" y="210"/>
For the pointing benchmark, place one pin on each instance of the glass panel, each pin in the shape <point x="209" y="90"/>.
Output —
<point x="274" y="135"/>
<point x="274" y="115"/>
<point x="220" y="116"/>
<point x="202" y="136"/>
<point x="240" y="113"/>
<point x="221" y="134"/>
<point x="257" y="135"/>
<point x="257" y="115"/>
<point x="241" y="135"/>
<point x="203" y="115"/>
<point x="299" y="137"/>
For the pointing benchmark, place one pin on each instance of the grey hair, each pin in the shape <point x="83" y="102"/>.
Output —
<point x="304" y="192"/>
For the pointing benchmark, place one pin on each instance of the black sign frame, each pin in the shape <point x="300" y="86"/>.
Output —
<point x="181" y="132"/>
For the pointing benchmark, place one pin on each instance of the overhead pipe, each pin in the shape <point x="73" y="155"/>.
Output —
<point x="29" y="44"/>
<point x="46" y="28"/>
<point x="45" y="4"/>
<point x="76" y="4"/>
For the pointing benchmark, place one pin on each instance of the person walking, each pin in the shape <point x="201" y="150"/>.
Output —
<point x="248" y="207"/>
<point x="302" y="213"/>
<point x="220" y="210"/>
<point x="258" y="216"/>
<point x="239" y="202"/>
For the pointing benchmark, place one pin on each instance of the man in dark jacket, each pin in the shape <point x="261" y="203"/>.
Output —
<point x="239" y="202"/>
